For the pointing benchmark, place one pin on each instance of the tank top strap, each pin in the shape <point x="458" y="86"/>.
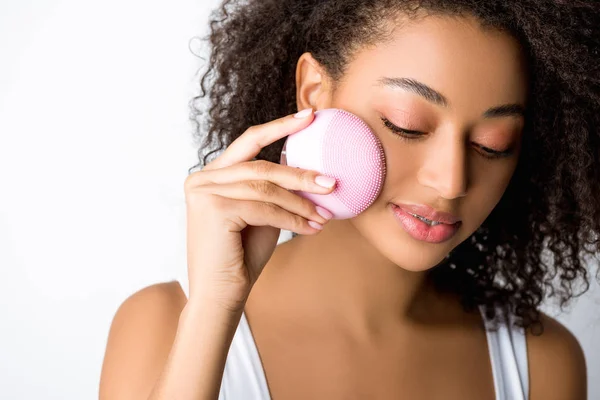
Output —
<point x="243" y="376"/>
<point x="508" y="355"/>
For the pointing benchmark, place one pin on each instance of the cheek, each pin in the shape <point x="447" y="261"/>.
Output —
<point x="488" y="189"/>
<point x="401" y="158"/>
<point x="402" y="169"/>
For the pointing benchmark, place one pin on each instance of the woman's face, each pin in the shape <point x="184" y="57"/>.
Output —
<point x="444" y="78"/>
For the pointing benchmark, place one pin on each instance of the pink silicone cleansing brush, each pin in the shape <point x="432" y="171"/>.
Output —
<point x="340" y="145"/>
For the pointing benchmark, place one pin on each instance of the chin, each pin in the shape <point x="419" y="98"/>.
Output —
<point x="404" y="251"/>
<point x="419" y="263"/>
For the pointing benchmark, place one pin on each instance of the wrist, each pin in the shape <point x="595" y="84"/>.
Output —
<point x="202" y="309"/>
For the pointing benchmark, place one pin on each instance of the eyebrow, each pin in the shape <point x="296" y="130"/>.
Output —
<point x="435" y="97"/>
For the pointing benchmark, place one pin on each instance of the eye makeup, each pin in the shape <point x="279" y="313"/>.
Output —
<point x="410" y="120"/>
<point x="413" y="134"/>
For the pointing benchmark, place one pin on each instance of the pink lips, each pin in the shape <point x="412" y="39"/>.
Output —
<point x="420" y="230"/>
<point x="429" y="213"/>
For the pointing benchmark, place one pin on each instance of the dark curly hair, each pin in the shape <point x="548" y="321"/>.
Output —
<point x="543" y="233"/>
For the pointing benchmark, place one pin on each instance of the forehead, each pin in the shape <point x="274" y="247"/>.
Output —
<point x="470" y="65"/>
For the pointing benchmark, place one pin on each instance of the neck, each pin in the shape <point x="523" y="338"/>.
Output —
<point x="338" y="276"/>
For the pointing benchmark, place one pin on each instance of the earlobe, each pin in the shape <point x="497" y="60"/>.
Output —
<point x="310" y="83"/>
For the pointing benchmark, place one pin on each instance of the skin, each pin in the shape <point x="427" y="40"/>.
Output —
<point x="355" y="297"/>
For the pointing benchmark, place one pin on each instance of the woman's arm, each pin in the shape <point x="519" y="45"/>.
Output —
<point x="161" y="346"/>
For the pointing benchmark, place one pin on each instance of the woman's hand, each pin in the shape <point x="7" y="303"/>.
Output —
<point x="235" y="211"/>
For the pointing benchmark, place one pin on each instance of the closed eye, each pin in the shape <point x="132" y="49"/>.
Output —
<point x="399" y="130"/>
<point x="406" y="134"/>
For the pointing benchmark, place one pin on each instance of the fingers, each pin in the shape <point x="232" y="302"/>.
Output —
<point x="265" y="191"/>
<point x="259" y="192"/>
<point x="242" y="213"/>
<point x="250" y="143"/>
<point x="285" y="176"/>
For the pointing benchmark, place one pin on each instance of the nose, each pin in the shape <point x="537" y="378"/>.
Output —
<point x="444" y="169"/>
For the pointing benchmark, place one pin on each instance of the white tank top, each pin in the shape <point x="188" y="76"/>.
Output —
<point x="244" y="377"/>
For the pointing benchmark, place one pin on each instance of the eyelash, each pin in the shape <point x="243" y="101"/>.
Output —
<point x="406" y="134"/>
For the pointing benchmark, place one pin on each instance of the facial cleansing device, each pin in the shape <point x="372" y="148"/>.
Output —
<point x="340" y="145"/>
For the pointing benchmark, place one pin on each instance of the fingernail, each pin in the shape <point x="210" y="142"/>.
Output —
<point x="315" y="225"/>
<point x="325" y="181"/>
<point x="303" y="114"/>
<point x="324" y="213"/>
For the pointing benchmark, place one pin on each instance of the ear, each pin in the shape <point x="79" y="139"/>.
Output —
<point x="312" y="84"/>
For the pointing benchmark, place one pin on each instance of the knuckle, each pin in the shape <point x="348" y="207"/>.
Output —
<point x="262" y="167"/>
<point x="280" y="123"/>
<point x="198" y="198"/>
<point x="269" y="208"/>
<point x="307" y="205"/>
<point x="215" y="203"/>
<point x="192" y="181"/>
<point x="305" y="176"/>
<point x="252" y="130"/>
<point x="298" y="222"/>
<point x="264" y="188"/>
<point x="189" y="182"/>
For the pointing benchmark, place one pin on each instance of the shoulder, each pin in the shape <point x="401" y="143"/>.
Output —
<point x="139" y="340"/>
<point x="557" y="367"/>
<point x="168" y="295"/>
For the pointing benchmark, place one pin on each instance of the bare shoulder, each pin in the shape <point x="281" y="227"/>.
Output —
<point x="139" y="341"/>
<point x="557" y="368"/>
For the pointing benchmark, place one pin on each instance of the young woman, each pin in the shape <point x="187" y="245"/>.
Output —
<point x="488" y="113"/>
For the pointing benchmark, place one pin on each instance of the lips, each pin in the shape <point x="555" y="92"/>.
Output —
<point x="429" y="213"/>
<point x="422" y="231"/>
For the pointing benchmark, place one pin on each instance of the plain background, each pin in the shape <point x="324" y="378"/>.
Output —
<point x="95" y="144"/>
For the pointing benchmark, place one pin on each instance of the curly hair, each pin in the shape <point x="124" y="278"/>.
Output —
<point x="544" y="232"/>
